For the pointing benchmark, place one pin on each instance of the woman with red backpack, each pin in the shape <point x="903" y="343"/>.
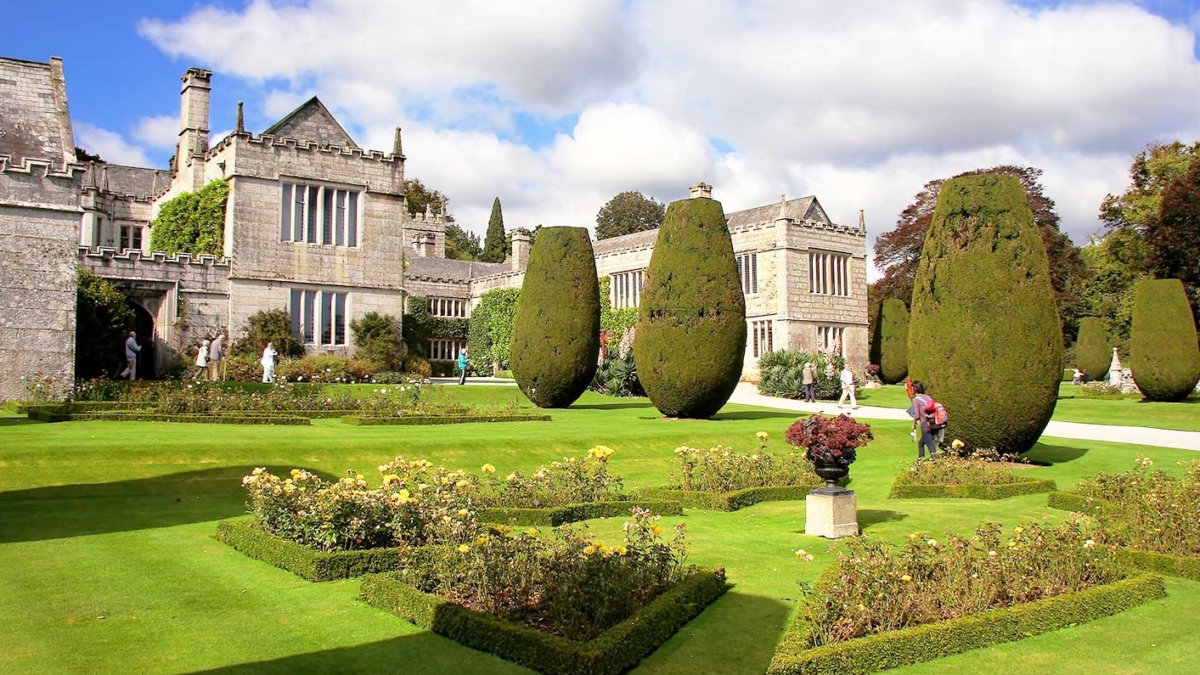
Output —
<point x="924" y="411"/>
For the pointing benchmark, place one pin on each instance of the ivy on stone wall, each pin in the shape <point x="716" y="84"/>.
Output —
<point x="490" y="340"/>
<point x="420" y="327"/>
<point x="615" y="321"/>
<point x="192" y="222"/>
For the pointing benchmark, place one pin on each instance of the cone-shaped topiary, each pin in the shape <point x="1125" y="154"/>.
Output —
<point x="691" y="332"/>
<point x="1163" y="353"/>
<point x="984" y="334"/>
<point x="1092" y="353"/>
<point x="556" y="335"/>
<point x="893" y="341"/>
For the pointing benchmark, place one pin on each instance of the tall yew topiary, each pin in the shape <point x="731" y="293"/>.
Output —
<point x="984" y="334"/>
<point x="893" y="341"/>
<point x="691" y="331"/>
<point x="1092" y="353"/>
<point x="556" y="336"/>
<point x="1163" y="353"/>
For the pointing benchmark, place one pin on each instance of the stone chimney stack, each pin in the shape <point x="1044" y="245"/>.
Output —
<point x="426" y="245"/>
<point x="700" y="189"/>
<point x="862" y="222"/>
<point x="193" y="127"/>
<point x="520" y="250"/>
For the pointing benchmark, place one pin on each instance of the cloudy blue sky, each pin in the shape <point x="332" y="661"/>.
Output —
<point x="555" y="106"/>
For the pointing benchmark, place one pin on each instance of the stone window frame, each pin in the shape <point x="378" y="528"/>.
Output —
<point x="314" y="311"/>
<point x="762" y="334"/>
<point x="131" y="232"/>
<point x="445" y="349"/>
<point x="829" y="336"/>
<point x="450" y="308"/>
<point x="747" y="267"/>
<point x="625" y="288"/>
<point x="829" y="273"/>
<point x="314" y="228"/>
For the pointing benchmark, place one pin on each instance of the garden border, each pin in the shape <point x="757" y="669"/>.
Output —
<point x="421" y="420"/>
<point x="571" y="513"/>
<point x="727" y="501"/>
<point x="251" y="539"/>
<point x="929" y="642"/>
<point x="1187" y="567"/>
<point x="119" y="416"/>
<point x="1025" y="486"/>
<point x="616" y="650"/>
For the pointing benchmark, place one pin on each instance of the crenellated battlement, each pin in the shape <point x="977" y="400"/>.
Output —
<point x="133" y="257"/>
<point x="40" y="167"/>
<point x="268" y="141"/>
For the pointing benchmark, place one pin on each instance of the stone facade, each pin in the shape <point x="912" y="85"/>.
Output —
<point x="39" y="219"/>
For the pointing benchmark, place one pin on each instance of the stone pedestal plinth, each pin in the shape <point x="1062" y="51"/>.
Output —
<point x="831" y="512"/>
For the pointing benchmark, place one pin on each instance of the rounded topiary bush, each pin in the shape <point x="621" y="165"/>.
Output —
<point x="691" y="331"/>
<point x="556" y="335"/>
<point x="1092" y="353"/>
<point x="893" y="341"/>
<point x="1163" y="353"/>
<point x="985" y="334"/>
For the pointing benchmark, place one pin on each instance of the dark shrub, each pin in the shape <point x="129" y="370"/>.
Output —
<point x="985" y="334"/>
<point x="377" y="341"/>
<point x="103" y="321"/>
<point x="617" y="375"/>
<point x="691" y="333"/>
<point x="556" y="335"/>
<point x="893" y="341"/>
<point x="1092" y="353"/>
<point x="269" y="325"/>
<point x="1163" y="353"/>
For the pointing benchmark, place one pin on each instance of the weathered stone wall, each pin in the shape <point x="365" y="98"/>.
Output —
<point x="39" y="220"/>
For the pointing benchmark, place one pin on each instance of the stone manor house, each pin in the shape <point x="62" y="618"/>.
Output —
<point x="317" y="225"/>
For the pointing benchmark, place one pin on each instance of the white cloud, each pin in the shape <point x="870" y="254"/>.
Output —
<point x="860" y="102"/>
<point x="160" y="132"/>
<point x="111" y="146"/>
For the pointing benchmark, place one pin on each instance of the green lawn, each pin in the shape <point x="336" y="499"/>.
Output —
<point x="110" y="564"/>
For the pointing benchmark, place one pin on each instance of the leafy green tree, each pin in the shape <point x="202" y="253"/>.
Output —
<point x="985" y="333"/>
<point x="898" y="253"/>
<point x="192" y="222"/>
<point x="462" y="245"/>
<point x="628" y="212"/>
<point x="495" y="245"/>
<point x="418" y="197"/>
<point x="377" y="340"/>
<point x="556" y="337"/>
<point x="489" y="343"/>
<point x="691" y="331"/>
<point x="1173" y="238"/>
<point x="268" y="325"/>
<point x="1163" y="353"/>
<point x="1151" y="171"/>
<point x="103" y="319"/>
<point x="1114" y="262"/>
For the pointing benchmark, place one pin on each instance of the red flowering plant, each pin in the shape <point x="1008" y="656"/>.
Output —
<point x="829" y="440"/>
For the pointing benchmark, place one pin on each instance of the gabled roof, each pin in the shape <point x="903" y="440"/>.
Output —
<point x="804" y="208"/>
<point x="34" y="120"/>
<point x="312" y="121"/>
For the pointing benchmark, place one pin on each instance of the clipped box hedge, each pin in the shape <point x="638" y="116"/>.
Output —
<point x="73" y="406"/>
<point x="616" y="650"/>
<point x="570" y="513"/>
<point x="256" y="542"/>
<point x="421" y="420"/>
<point x="937" y="640"/>
<point x="1184" y="566"/>
<point x="51" y="416"/>
<point x="969" y="491"/>
<point x="727" y="501"/>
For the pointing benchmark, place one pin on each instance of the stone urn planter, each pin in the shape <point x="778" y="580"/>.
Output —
<point x="831" y="444"/>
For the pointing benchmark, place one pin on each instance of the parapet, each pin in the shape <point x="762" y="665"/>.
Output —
<point x="134" y="256"/>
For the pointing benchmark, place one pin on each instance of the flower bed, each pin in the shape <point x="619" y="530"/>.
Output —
<point x="423" y="420"/>
<point x="255" y="541"/>
<point x="571" y="482"/>
<point x="1145" y="515"/>
<point x="564" y="604"/>
<point x="880" y="607"/>
<point x="950" y="476"/>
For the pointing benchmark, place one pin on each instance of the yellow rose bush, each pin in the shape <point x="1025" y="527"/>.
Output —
<point x="1146" y="508"/>
<point x="571" y="481"/>
<point x="570" y="582"/>
<point x="721" y="469"/>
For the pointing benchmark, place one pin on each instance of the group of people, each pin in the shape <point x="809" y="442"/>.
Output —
<point x="808" y="377"/>
<point x="211" y="352"/>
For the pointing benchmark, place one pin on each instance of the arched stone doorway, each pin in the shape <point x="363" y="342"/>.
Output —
<point x="143" y="325"/>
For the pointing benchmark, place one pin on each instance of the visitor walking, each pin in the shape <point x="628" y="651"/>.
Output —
<point x="268" y="363"/>
<point x="1077" y="376"/>
<point x="920" y="410"/>
<point x="848" y="388"/>
<point x="809" y="380"/>
<point x="462" y="366"/>
<point x="216" y="352"/>
<point x="202" y="360"/>
<point x="131" y="351"/>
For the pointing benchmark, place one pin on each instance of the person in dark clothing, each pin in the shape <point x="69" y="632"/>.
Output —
<point x="921" y="409"/>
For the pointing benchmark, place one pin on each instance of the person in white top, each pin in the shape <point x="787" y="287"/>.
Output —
<point x="202" y="360"/>
<point x="131" y="353"/>
<point x="848" y="388"/>
<point x="268" y="363"/>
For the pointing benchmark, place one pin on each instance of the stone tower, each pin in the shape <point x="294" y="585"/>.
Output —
<point x="193" y="128"/>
